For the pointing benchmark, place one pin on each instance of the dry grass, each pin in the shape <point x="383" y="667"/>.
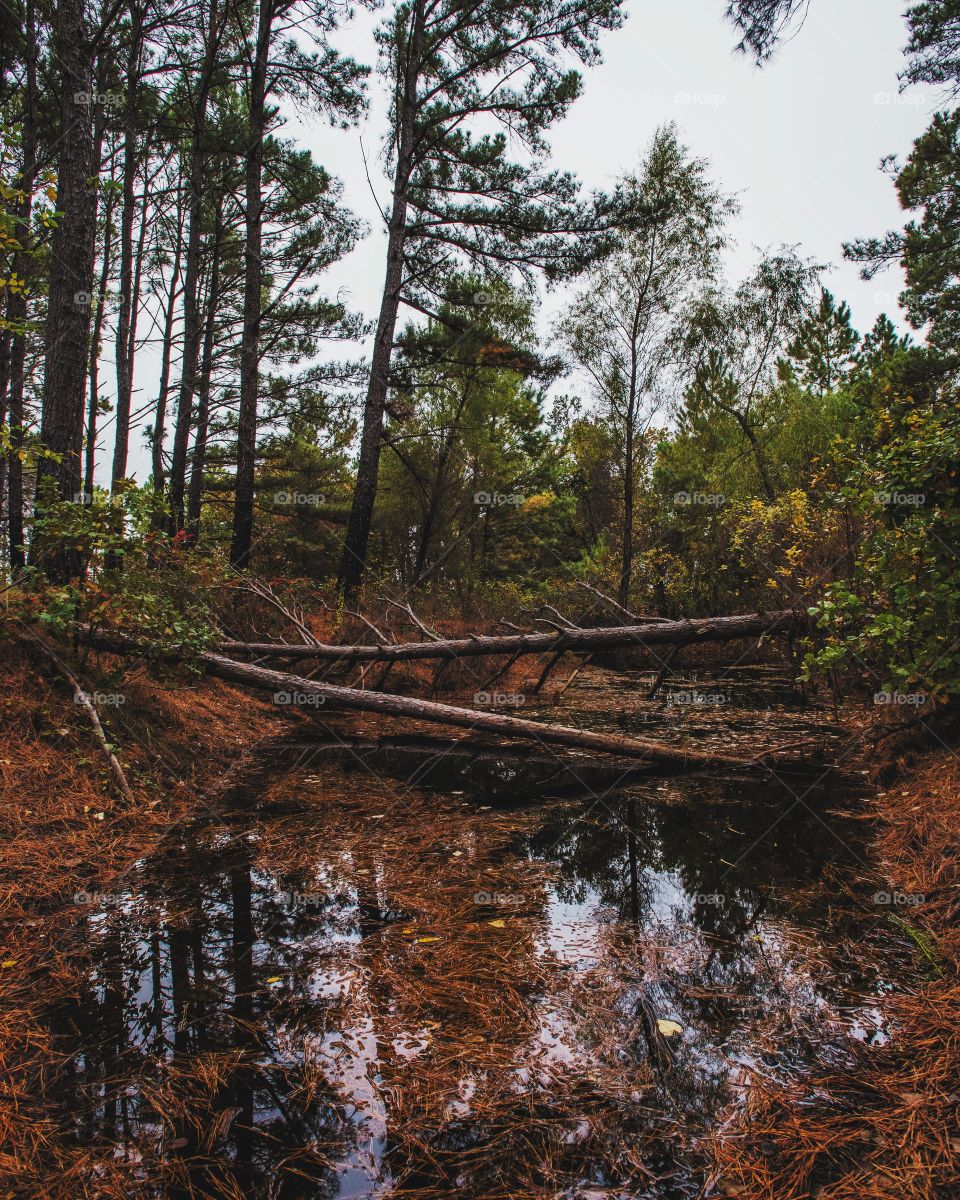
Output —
<point x="878" y="1123"/>
<point x="64" y="831"/>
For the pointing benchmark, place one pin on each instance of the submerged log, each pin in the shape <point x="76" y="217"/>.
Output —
<point x="297" y="689"/>
<point x="659" y="633"/>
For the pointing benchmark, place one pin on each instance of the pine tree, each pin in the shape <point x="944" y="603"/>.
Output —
<point x="459" y="196"/>
<point x="824" y="351"/>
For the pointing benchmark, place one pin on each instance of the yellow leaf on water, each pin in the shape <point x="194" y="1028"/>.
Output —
<point x="499" y="923"/>
<point x="420" y="941"/>
<point x="669" y="1028"/>
<point x="9" y="962"/>
<point x="275" y="979"/>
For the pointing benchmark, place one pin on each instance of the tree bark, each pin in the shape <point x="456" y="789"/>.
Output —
<point x="191" y="276"/>
<point x="71" y="278"/>
<point x="353" y="561"/>
<point x="198" y="461"/>
<point x="90" y="448"/>
<point x="160" y="412"/>
<point x="242" y="535"/>
<point x="660" y="633"/>
<point x="126" y="317"/>
<point x="411" y="708"/>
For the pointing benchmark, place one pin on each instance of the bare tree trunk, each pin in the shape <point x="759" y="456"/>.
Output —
<point x="655" y="633"/>
<point x="17" y="310"/>
<point x="160" y="412"/>
<point x="626" y="565"/>
<point x="198" y="461"/>
<point x="90" y="449"/>
<point x="252" y="298"/>
<point x="191" y="277"/>
<point x="412" y="708"/>
<point x="126" y="317"/>
<point x="71" y="278"/>
<point x="353" y="561"/>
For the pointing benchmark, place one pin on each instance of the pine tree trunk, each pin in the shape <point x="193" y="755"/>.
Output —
<point x="252" y="299"/>
<point x="71" y="278"/>
<point x="160" y="411"/>
<point x="353" y="561"/>
<point x="123" y="357"/>
<point x="199" y="458"/>
<point x="90" y="449"/>
<point x="191" y="280"/>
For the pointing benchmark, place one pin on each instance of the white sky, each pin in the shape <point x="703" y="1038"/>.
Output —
<point x="799" y="141"/>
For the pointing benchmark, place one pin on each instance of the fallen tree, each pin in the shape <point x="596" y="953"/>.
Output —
<point x="659" y="633"/>
<point x="412" y="708"/>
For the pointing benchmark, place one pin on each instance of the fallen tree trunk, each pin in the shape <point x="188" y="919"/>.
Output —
<point x="302" y="691"/>
<point x="660" y="633"/>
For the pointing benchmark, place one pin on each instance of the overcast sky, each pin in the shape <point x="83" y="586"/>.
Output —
<point x="799" y="141"/>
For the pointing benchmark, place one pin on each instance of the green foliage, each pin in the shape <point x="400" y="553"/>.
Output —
<point x="823" y="352"/>
<point x="893" y="617"/>
<point x="469" y="485"/>
<point x="127" y="577"/>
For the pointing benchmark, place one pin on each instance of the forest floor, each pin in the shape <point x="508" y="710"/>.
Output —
<point x="871" y="1123"/>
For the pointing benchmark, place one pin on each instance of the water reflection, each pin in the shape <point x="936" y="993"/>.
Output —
<point x="372" y="988"/>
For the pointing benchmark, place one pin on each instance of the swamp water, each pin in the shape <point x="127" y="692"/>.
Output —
<point x="406" y="969"/>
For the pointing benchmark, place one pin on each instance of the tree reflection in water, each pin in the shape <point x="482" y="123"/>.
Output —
<point x="353" y="986"/>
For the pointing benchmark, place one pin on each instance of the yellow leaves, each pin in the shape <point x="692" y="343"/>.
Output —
<point x="540" y="501"/>
<point x="499" y="923"/>
<point x="668" y="1028"/>
<point x="8" y="962"/>
<point x="421" y="941"/>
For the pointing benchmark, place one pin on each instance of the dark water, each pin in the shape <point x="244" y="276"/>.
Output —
<point x="407" y="969"/>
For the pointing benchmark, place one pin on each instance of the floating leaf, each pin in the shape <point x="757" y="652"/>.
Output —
<point x="499" y="923"/>
<point x="9" y="962"/>
<point x="669" y="1028"/>
<point x="275" y="979"/>
<point x="420" y="941"/>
